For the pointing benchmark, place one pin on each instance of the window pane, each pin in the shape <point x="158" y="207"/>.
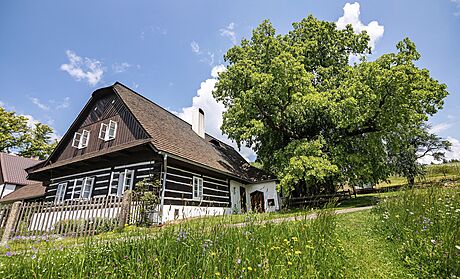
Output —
<point x="76" y="140"/>
<point x="112" y="129"/>
<point x="121" y="180"/>
<point x="103" y="131"/>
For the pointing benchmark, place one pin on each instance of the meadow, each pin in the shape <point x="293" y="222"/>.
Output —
<point x="411" y="233"/>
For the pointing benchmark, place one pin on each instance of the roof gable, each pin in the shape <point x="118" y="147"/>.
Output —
<point x="172" y="135"/>
<point x="103" y="106"/>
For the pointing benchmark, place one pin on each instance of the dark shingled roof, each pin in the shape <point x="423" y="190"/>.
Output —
<point x="174" y="136"/>
<point x="13" y="169"/>
<point x="25" y="192"/>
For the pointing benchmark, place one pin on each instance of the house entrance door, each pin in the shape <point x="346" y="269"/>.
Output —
<point x="257" y="201"/>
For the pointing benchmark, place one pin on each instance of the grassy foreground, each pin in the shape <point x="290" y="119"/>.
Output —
<point x="410" y="234"/>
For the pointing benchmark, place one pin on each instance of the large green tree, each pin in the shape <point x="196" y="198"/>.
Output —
<point x="415" y="144"/>
<point x="26" y="140"/>
<point x="314" y="119"/>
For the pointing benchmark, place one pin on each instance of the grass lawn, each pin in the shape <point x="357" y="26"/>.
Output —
<point x="393" y="240"/>
<point x="368" y="255"/>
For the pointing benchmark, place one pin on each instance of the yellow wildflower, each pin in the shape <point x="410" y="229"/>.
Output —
<point x="217" y="273"/>
<point x="289" y="263"/>
<point x="249" y="268"/>
<point x="297" y="252"/>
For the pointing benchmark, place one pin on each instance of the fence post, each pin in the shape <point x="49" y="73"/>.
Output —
<point x="124" y="211"/>
<point x="11" y="221"/>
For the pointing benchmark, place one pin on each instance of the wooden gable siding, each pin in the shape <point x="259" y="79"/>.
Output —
<point x="106" y="108"/>
<point x="179" y="187"/>
<point x="102" y="179"/>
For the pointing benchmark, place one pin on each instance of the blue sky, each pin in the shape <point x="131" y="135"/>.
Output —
<point x="54" y="54"/>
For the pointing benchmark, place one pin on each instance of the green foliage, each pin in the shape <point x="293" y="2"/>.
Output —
<point x="413" y="145"/>
<point x="425" y="226"/>
<point x="16" y="135"/>
<point x="146" y="191"/>
<point x="312" y="118"/>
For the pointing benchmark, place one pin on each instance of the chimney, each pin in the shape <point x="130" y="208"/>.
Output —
<point x="198" y="122"/>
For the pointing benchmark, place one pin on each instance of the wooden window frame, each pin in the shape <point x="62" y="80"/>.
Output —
<point x="84" y="185"/>
<point x="60" y="195"/>
<point x="113" y="124"/>
<point x="77" y="140"/>
<point x="197" y="189"/>
<point x="105" y="130"/>
<point x="122" y="185"/>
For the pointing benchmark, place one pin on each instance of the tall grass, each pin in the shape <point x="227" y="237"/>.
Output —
<point x="303" y="249"/>
<point x="425" y="226"/>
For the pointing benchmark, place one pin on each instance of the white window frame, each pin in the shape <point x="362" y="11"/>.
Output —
<point x="72" y="197"/>
<point x="77" y="141"/>
<point x="84" y="144"/>
<point x="60" y="192"/>
<point x="86" y="184"/>
<point x="114" y="125"/>
<point x="197" y="188"/>
<point x="105" y="130"/>
<point x="122" y="182"/>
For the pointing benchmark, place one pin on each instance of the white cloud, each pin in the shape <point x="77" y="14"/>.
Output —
<point x="229" y="32"/>
<point x="208" y="59"/>
<point x="195" y="47"/>
<point x="65" y="103"/>
<point x="351" y="14"/>
<point x="440" y="127"/>
<point x="213" y="111"/>
<point x="455" y="149"/>
<point x="38" y="103"/>
<point x="83" y="68"/>
<point x="457" y="5"/>
<point x="121" y="67"/>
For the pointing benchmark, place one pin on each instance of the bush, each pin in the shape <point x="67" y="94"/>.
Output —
<point x="425" y="226"/>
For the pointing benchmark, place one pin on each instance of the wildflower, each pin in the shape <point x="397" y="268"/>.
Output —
<point x="297" y="252"/>
<point x="249" y="268"/>
<point x="294" y="238"/>
<point x="457" y="246"/>
<point x="289" y="263"/>
<point x="259" y="265"/>
<point x="213" y="254"/>
<point x="33" y="256"/>
<point x="238" y="261"/>
<point x="433" y="241"/>
<point x="182" y="236"/>
<point x="217" y="273"/>
<point x="8" y="254"/>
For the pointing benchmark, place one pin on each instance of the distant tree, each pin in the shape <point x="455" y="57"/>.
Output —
<point x="17" y="136"/>
<point x="417" y="144"/>
<point x="312" y="118"/>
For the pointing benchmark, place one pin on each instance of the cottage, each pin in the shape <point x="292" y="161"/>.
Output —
<point x="13" y="177"/>
<point x="121" y="138"/>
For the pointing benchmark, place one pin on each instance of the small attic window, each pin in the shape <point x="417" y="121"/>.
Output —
<point x="215" y="142"/>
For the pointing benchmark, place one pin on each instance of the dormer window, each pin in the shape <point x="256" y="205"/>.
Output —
<point x="108" y="131"/>
<point x="80" y="140"/>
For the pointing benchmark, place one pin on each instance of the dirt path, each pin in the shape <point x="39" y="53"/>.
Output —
<point x="302" y="217"/>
